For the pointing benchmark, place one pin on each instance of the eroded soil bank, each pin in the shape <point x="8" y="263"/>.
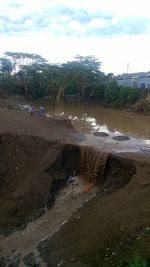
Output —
<point x="40" y="160"/>
<point x="33" y="169"/>
<point x="112" y="228"/>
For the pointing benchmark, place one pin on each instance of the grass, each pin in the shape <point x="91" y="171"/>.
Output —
<point x="135" y="262"/>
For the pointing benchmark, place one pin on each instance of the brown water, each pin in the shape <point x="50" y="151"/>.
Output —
<point x="90" y="117"/>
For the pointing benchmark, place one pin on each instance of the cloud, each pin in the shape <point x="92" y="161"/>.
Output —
<point x="114" y="31"/>
<point x="114" y="52"/>
<point x="69" y="19"/>
<point x="125" y="26"/>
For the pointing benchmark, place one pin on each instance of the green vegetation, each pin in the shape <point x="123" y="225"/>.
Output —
<point x="135" y="262"/>
<point x="143" y="105"/>
<point x="120" y="95"/>
<point x="31" y="75"/>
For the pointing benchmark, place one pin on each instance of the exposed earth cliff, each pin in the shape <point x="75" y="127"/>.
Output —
<point x="66" y="197"/>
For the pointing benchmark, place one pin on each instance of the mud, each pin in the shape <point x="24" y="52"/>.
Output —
<point x="33" y="170"/>
<point x="48" y="174"/>
<point x="111" y="228"/>
<point x="25" y="186"/>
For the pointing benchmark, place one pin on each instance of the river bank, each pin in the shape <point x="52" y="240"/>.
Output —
<point x="12" y="101"/>
<point x="35" y="151"/>
<point x="29" y="146"/>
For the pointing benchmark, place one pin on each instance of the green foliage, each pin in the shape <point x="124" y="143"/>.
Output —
<point x="6" y="65"/>
<point x="136" y="262"/>
<point x="120" y="95"/>
<point x="20" y="65"/>
<point x="128" y="95"/>
<point x="31" y="75"/>
<point x="86" y="74"/>
<point x="99" y="91"/>
<point x="143" y="105"/>
<point x="112" y="93"/>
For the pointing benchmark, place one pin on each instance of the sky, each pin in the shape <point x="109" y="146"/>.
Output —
<point x="117" y="32"/>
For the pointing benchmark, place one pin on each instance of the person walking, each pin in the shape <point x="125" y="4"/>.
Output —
<point x="36" y="262"/>
<point x="31" y="109"/>
<point x="42" y="111"/>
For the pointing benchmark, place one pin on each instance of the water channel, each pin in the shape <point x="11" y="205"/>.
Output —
<point x="89" y="118"/>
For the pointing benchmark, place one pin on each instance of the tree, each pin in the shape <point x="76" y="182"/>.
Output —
<point x="112" y="92"/>
<point x="6" y="78"/>
<point x="86" y="74"/>
<point x="38" y="85"/>
<point x="22" y="63"/>
<point x="60" y="77"/>
<point x="6" y="66"/>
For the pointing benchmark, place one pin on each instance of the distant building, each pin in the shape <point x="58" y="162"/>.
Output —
<point x="135" y="80"/>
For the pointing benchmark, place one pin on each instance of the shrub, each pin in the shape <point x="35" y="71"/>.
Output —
<point x="136" y="262"/>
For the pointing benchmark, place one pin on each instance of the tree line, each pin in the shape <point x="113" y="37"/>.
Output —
<point x="32" y="75"/>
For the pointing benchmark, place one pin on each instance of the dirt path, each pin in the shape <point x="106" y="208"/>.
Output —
<point x="21" y="123"/>
<point x="24" y="242"/>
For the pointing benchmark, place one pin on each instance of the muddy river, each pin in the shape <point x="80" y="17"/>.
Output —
<point x="89" y="118"/>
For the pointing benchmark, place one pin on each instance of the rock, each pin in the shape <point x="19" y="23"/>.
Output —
<point x="121" y="138"/>
<point x="101" y="134"/>
<point x="60" y="263"/>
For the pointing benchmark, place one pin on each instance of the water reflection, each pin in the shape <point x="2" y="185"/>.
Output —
<point x="147" y="142"/>
<point x="89" y="118"/>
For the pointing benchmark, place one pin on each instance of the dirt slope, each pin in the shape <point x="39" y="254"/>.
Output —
<point x="25" y="186"/>
<point x="21" y="123"/>
<point x="113" y="227"/>
<point x="28" y="146"/>
<point x="35" y="153"/>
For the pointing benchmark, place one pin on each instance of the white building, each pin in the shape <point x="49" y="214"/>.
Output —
<point x="136" y="80"/>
